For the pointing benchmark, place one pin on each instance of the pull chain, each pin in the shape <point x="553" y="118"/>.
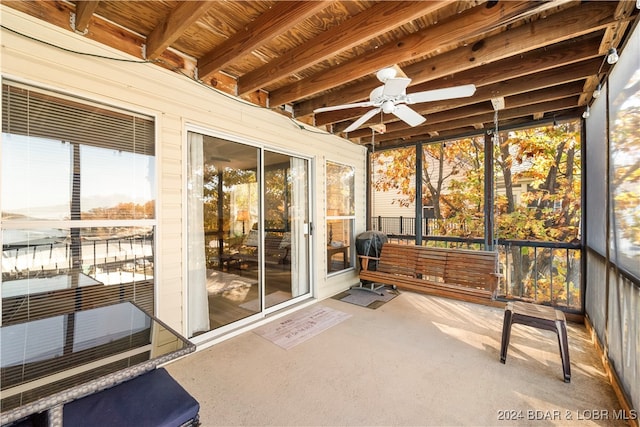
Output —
<point x="496" y="139"/>
<point x="373" y="140"/>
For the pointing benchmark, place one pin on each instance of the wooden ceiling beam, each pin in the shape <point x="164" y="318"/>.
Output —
<point x="470" y="112"/>
<point x="117" y="37"/>
<point x="436" y="54"/>
<point x="564" y="91"/>
<point x="464" y="122"/>
<point x="277" y="20"/>
<point x="174" y="25"/>
<point x="543" y="83"/>
<point x="84" y="12"/>
<point x="521" y="85"/>
<point x="472" y="22"/>
<point x="534" y="63"/>
<point x="543" y="60"/>
<point x="510" y="88"/>
<point x="612" y="38"/>
<point x="556" y="28"/>
<point x="379" y="19"/>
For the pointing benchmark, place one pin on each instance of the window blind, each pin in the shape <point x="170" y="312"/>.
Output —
<point x="27" y="112"/>
<point x="61" y="265"/>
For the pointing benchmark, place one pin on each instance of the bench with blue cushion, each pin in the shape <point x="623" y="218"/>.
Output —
<point x="152" y="399"/>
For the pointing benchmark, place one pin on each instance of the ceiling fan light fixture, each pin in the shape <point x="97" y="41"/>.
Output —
<point x="388" y="107"/>
<point x="596" y="92"/>
<point x="612" y="56"/>
<point x="586" y="113"/>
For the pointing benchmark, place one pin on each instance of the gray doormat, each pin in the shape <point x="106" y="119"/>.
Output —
<point x="367" y="299"/>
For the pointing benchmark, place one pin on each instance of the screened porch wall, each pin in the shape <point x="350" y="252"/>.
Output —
<point x="612" y="288"/>
<point x="612" y="304"/>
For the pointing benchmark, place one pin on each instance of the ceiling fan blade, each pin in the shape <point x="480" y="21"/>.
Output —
<point x="355" y="125"/>
<point x="440" y="94"/>
<point x="343" y="107"/>
<point x="408" y="115"/>
<point x="396" y="86"/>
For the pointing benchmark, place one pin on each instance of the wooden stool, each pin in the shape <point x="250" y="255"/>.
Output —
<point x="541" y="317"/>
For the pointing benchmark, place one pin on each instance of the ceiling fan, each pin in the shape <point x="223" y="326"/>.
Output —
<point x="392" y="98"/>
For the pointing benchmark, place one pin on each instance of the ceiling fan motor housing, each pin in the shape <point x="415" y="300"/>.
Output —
<point x="378" y="98"/>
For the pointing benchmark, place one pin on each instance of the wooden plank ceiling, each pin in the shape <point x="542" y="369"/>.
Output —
<point x="543" y="59"/>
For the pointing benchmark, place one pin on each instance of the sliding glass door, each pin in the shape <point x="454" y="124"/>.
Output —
<point x="286" y="227"/>
<point x="248" y="231"/>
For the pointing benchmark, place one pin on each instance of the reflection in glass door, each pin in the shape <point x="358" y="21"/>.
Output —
<point x="248" y="242"/>
<point x="286" y="228"/>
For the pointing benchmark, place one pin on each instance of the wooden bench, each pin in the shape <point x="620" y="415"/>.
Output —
<point x="459" y="273"/>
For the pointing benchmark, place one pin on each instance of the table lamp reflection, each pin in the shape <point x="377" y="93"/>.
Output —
<point x="244" y="216"/>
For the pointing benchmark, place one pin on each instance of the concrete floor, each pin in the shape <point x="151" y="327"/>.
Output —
<point x="417" y="360"/>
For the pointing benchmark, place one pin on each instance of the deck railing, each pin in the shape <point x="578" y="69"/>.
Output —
<point x="543" y="272"/>
<point x="109" y="260"/>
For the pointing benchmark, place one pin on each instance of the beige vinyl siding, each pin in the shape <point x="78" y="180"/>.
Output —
<point x="169" y="294"/>
<point x="386" y="206"/>
<point x="175" y="102"/>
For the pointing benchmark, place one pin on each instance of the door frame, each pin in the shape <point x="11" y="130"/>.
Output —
<point x="276" y="310"/>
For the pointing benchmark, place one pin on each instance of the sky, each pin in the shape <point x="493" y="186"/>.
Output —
<point x="39" y="177"/>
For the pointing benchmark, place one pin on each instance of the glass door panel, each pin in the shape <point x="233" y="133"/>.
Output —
<point x="224" y="245"/>
<point x="286" y="212"/>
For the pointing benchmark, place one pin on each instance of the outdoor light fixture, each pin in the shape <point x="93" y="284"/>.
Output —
<point x="612" y="56"/>
<point x="596" y="93"/>
<point x="586" y="113"/>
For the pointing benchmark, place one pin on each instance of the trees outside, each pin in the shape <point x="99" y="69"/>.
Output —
<point x="537" y="198"/>
<point x="239" y="189"/>
<point x="452" y="183"/>
<point x="217" y="204"/>
<point x="545" y="161"/>
<point x="548" y="160"/>
<point x="625" y="175"/>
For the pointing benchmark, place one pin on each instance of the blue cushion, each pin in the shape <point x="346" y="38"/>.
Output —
<point x="153" y="399"/>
